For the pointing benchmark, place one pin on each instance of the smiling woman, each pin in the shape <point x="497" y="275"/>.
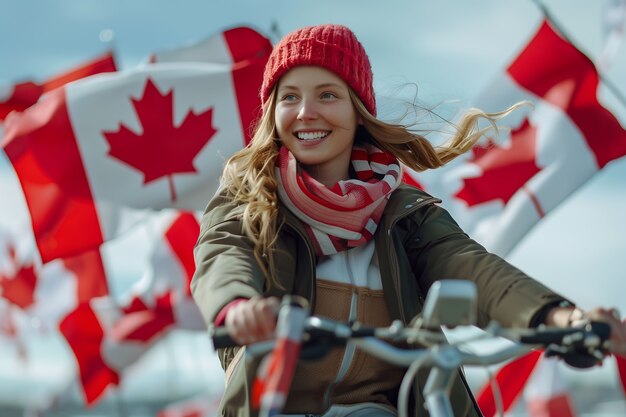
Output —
<point x="315" y="206"/>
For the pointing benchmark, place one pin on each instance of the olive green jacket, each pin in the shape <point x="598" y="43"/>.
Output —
<point x="417" y="243"/>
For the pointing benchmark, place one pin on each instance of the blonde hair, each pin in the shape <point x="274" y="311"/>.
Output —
<point x="417" y="152"/>
<point x="249" y="176"/>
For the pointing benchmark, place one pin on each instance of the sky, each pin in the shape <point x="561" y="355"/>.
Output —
<point x="446" y="52"/>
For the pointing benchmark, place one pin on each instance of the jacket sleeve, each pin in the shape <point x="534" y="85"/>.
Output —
<point x="226" y="268"/>
<point x="439" y="249"/>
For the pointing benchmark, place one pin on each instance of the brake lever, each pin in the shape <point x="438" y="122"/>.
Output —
<point x="583" y="350"/>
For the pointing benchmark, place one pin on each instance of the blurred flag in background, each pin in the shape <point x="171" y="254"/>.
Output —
<point x="93" y="159"/>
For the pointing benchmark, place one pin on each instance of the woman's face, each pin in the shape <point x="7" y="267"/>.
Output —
<point x="316" y="121"/>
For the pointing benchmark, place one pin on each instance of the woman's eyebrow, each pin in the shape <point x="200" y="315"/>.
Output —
<point x="326" y="85"/>
<point x="287" y="87"/>
<point x="317" y="87"/>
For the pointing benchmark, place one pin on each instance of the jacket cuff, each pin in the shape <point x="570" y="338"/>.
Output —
<point x="221" y="316"/>
<point x="541" y="315"/>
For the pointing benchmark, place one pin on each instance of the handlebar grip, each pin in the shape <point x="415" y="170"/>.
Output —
<point x="579" y="347"/>
<point x="560" y="336"/>
<point x="221" y="338"/>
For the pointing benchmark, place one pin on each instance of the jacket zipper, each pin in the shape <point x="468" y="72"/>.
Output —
<point x="395" y="268"/>
<point x="311" y="257"/>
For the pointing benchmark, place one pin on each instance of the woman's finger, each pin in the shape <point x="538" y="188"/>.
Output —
<point x="612" y="317"/>
<point x="252" y="320"/>
<point x="266" y="312"/>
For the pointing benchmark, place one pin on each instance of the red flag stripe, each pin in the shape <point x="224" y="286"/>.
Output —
<point x="621" y="368"/>
<point x="84" y="334"/>
<point x="510" y="379"/>
<point x="89" y="268"/>
<point x="249" y="51"/>
<point x="23" y="96"/>
<point x="563" y="66"/>
<point x="27" y="93"/>
<point x="181" y="237"/>
<point x="51" y="189"/>
<point x="104" y="63"/>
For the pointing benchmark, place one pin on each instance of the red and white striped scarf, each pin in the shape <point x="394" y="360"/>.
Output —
<point x="347" y="214"/>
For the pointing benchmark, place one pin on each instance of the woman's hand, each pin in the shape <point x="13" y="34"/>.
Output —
<point x="618" y="327"/>
<point x="252" y="320"/>
<point x="569" y="316"/>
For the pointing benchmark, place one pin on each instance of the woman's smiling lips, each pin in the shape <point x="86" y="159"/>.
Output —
<point x="311" y="135"/>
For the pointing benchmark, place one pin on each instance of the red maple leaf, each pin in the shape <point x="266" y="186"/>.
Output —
<point x="142" y="323"/>
<point x="162" y="149"/>
<point x="504" y="170"/>
<point x="19" y="287"/>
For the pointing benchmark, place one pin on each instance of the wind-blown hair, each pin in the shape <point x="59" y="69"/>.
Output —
<point x="249" y="176"/>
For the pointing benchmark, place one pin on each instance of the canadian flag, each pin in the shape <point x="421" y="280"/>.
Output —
<point x="35" y="297"/>
<point x="170" y="269"/>
<point x="106" y="335"/>
<point x="534" y="376"/>
<point x="22" y="95"/>
<point x="47" y="292"/>
<point x="155" y="137"/>
<point x="509" y="382"/>
<point x="546" y="393"/>
<point x="245" y="46"/>
<point x="59" y="153"/>
<point x="500" y="190"/>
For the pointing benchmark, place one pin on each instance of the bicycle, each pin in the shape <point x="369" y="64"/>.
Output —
<point x="450" y="303"/>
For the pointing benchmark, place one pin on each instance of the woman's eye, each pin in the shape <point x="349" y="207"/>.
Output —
<point x="328" y="95"/>
<point x="289" y="97"/>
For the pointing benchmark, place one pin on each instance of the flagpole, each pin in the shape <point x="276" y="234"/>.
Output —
<point x="107" y="38"/>
<point x="605" y="80"/>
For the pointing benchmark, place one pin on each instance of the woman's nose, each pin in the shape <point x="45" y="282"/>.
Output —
<point x="308" y="110"/>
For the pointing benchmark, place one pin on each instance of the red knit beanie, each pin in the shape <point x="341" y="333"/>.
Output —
<point x="333" y="47"/>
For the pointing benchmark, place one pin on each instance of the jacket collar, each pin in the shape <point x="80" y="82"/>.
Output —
<point x="406" y="199"/>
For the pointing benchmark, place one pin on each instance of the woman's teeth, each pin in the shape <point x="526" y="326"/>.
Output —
<point x="311" y="135"/>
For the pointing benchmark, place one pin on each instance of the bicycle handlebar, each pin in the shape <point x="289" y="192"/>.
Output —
<point x="580" y="347"/>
